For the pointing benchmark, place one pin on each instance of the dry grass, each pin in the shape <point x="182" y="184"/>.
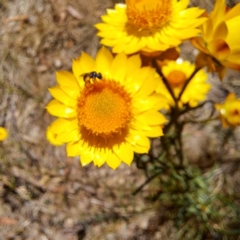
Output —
<point x="44" y="194"/>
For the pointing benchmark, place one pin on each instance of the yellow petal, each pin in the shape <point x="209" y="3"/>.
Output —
<point x="86" y="157"/>
<point x="221" y="31"/>
<point x="140" y="149"/>
<point x="135" y="80"/>
<point x="104" y="59"/>
<point x="75" y="148"/>
<point x="71" y="91"/>
<point x="183" y="4"/>
<point x="232" y="13"/>
<point x="152" y="118"/>
<point x="133" y="64"/>
<point x="69" y="136"/>
<point x="100" y="157"/>
<point x="191" y="12"/>
<point x="113" y="161"/>
<point x="155" y="101"/>
<point x="135" y="45"/>
<point x="63" y="125"/>
<point x="62" y="97"/>
<point x="68" y="83"/>
<point x="84" y="64"/>
<point x="135" y="138"/>
<point x="119" y="73"/>
<point x="124" y="152"/>
<point x="154" y="132"/>
<point x="51" y="137"/>
<point x="57" y="109"/>
<point x="233" y="35"/>
<point x="66" y="79"/>
<point x="149" y="86"/>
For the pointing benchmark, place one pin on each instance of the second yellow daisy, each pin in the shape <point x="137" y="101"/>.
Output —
<point x="149" y="25"/>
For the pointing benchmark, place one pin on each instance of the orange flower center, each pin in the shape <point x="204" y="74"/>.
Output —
<point x="176" y="78"/>
<point x="148" y="14"/>
<point x="104" y="108"/>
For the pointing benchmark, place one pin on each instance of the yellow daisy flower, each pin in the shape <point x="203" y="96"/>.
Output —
<point x="177" y="74"/>
<point x="149" y="25"/>
<point x="230" y="111"/>
<point x="3" y="133"/>
<point x="219" y="41"/>
<point x="107" y="108"/>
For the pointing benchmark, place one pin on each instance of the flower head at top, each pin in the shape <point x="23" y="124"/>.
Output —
<point x="219" y="42"/>
<point x="230" y="111"/>
<point x="3" y="133"/>
<point x="177" y="74"/>
<point x="107" y="108"/>
<point x="149" y="25"/>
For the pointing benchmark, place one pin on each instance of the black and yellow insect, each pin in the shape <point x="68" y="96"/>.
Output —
<point x="91" y="77"/>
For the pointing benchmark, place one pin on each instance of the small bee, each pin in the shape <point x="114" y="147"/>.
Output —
<point x="91" y="77"/>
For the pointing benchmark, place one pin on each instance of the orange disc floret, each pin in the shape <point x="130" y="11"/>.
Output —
<point x="176" y="78"/>
<point x="104" y="108"/>
<point x="152" y="15"/>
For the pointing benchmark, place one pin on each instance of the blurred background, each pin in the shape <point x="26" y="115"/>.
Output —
<point x="43" y="193"/>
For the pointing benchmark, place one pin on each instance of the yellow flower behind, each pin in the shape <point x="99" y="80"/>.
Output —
<point x="109" y="114"/>
<point x="149" y="25"/>
<point x="230" y="111"/>
<point x="177" y="74"/>
<point x="219" y="42"/>
<point x="3" y="133"/>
